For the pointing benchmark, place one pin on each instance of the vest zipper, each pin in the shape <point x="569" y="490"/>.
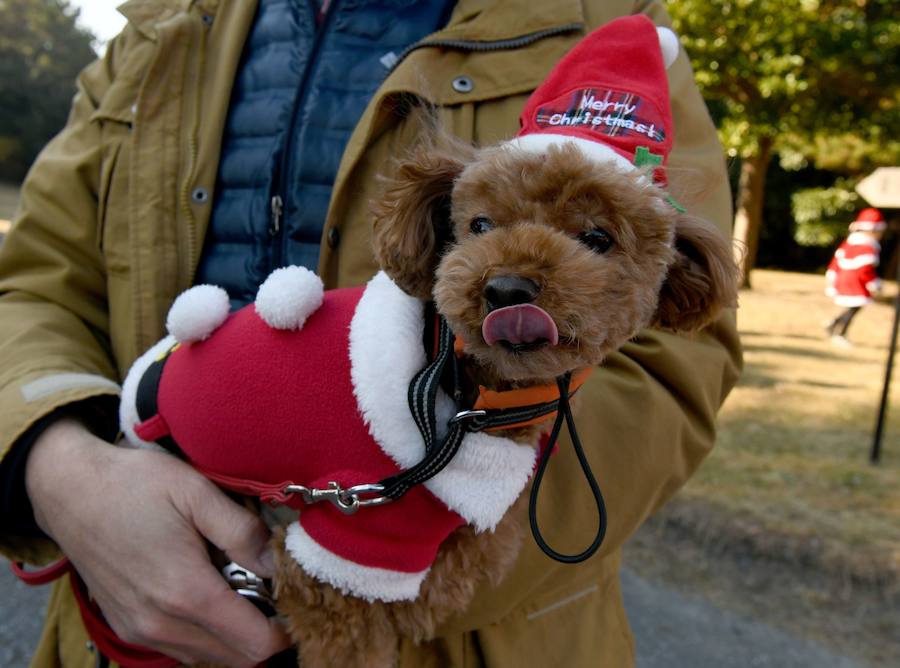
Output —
<point x="493" y="45"/>
<point x="277" y="209"/>
<point x="277" y="231"/>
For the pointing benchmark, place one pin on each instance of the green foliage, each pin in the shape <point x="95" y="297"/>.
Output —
<point x="41" y="53"/>
<point x="822" y="214"/>
<point x="818" y="77"/>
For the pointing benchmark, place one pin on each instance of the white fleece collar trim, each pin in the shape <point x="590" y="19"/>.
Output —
<point x="489" y="472"/>
<point x="128" y="415"/>
<point x="367" y="582"/>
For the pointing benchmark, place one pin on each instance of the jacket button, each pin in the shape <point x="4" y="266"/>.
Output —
<point x="462" y="84"/>
<point x="334" y="237"/>
<point x="199" y="196"/>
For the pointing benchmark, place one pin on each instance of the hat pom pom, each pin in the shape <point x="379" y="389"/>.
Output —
<point x="668" y="43"/>
<point x="197" y="313"/>
<point x="288" y="296"/>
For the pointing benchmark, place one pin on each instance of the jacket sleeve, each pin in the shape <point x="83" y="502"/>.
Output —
<point x="647" y="417"/>
<point x="54" y="339"/>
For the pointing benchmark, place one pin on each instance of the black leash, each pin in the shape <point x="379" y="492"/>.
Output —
<point x="422" y="396"/>
<point x="565" y="413"/>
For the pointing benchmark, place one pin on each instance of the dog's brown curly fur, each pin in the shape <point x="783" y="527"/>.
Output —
<point x="664" y="268"/>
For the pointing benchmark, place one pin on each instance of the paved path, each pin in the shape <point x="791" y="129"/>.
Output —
<point x="21" y="616"/>
<point x="672" y="631"/>
<point x="676" y="631"/>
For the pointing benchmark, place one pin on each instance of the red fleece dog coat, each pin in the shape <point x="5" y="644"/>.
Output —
<point x="323" y="402"/>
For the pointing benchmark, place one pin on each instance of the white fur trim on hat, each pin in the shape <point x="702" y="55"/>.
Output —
<point x="288" y="296"/>
<point x="868" y="226"/>
<point x="489" y="472"/>
<point x="668" y="44"/>
<point x="540" y="142"/>
<point x="196" y="313"/>
<point x="128" y="415"/>
<point x="368" y="582"/>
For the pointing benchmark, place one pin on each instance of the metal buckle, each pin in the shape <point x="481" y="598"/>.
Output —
<point x="348" y="500"/>
<point x="250" y="586"/>
<point x="472" y="415"/>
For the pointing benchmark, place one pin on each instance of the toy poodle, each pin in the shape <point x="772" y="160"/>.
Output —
<point x="541" y="255"/>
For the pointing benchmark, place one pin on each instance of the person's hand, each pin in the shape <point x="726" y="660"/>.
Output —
<point x="133" y="523"/>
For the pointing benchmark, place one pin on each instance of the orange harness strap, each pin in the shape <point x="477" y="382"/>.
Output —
<point x="526" y="396"/>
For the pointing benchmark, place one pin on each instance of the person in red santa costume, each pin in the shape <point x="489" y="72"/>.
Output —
<point x="851" y="278"/>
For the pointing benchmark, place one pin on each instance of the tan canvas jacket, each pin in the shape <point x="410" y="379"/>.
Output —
<point x="110" y="230"/>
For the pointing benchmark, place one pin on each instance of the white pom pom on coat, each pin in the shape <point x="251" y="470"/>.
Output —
<point x="197" y="313"/>
<point x="288" y="297"/>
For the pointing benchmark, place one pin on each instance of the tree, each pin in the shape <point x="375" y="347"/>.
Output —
<point x="809" y="79"/>
<point x="41" y="53"/>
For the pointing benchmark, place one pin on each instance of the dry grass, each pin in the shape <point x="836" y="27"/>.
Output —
<point x="790" y="475"/>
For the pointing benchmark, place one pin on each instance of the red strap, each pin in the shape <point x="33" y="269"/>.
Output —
<point x="106" y="640"/>
<point x="152" y="429"/>
<point x="267" y="493"/>
<point x="42" y="576"/>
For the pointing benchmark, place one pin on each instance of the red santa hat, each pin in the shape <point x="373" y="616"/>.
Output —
<point x="609" y="95"/>
<point x="868" y="220"/>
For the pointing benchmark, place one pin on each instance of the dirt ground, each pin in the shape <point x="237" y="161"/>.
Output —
<point x="852" y="619"/>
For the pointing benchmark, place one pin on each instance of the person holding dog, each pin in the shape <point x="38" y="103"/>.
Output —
<point x="183" y="163"/>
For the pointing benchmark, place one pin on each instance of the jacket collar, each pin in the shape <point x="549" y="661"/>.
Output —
<point x="145" y="15"/>
<point x="487" y="20"/>
<point x="477" y="20"/>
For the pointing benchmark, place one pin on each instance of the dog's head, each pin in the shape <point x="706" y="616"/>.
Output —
<point x="545" y="262"/>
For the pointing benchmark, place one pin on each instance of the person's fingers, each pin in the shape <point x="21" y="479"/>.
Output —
<point x="198" y="616"/>
<point x="232" y="619"/>
<point x="182" y="640"/>
<point x="232" y="528"/>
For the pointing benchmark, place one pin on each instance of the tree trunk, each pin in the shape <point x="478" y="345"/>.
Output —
<point x="748" y="218"/>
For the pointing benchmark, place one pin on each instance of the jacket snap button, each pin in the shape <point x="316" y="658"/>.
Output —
<point x="462" y="85"/>
<point x="334" y="237"/>
<point x="200" y="196"/>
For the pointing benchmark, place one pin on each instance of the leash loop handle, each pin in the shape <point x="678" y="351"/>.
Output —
<point x="565" y="414"/>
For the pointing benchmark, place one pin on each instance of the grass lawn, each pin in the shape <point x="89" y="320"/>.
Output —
<point x="790" y="475"/>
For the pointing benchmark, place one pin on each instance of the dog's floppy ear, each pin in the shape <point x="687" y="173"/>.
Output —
<point x="701" y="281"/>
<point x="412" y="218"/>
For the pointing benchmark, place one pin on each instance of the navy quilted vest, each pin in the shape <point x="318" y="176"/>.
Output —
<point x="302" y="85"/>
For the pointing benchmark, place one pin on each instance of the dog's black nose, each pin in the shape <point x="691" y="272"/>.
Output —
<point x="503" y="291"/>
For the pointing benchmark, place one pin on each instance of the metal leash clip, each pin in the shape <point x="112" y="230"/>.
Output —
<point x="348" y="500"/>
<point x="250" y="586"/>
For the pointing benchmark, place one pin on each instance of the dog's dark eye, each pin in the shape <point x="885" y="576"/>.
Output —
<point x="598" y="241"/>
<point x="481" y="224"/>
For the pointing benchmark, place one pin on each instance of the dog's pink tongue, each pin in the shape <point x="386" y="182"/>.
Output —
<point x="522" y="323"/>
